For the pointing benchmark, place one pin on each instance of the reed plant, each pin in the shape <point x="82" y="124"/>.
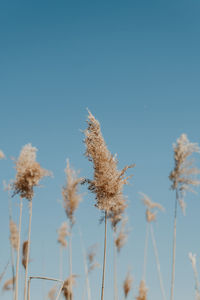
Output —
<point x="108" y="181"/>
<point x="183" y="178"/>
<point x="29" y="173"/>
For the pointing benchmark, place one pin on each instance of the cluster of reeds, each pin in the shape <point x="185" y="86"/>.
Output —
<point x="107" y="186"/>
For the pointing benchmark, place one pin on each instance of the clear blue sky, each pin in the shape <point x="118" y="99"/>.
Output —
<point x="136" y="66"/>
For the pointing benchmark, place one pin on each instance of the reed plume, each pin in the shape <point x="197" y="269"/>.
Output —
<point x="62" y="234"/>
<point x="14" y="235"/>
<point x="71" y="198"/>
<point x="183" y="177"/>
<point x="142" y="291"/>
<point x="67" y="287"/>
<point x="29" y="173"/>
<point x="192" y="258"/>
<point x="108" y="181"/>
<point x="91" y="254"/>
<point x="127" y="284"/>
<point x="2" y="155"/>
<point x="8" y="285"/>
<point x="121" y="238"/>
<point x="52" y="293"/>
<point x="24" y="254"/>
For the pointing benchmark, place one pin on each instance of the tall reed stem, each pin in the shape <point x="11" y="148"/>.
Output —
<point x="104" y="257"/>
<point x="115" y="267"/>
<point x="157" y="262"/>
<point x="12" y="251"/>
<point x="18" y="251"/>
<point x="28" y="250"/>
<point x="45" y="278"/>
<point x="174" y="248"/>
<point x="145" y="251"/>
<point x="70" y="262"/>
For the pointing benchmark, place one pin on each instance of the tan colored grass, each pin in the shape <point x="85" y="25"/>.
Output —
<point x="91" y="254"/>
<point x="150" y="216"/>
<point x="142" y="291"/>
<point x="24" y="253"/>
<point x="183" y="176"/>
<point x="29" y="172"/>
<point x="71" y="198"/>
<point x="62" y="234"/>
<point x="8" y="285"/>
<point x="127" y="284"/>
<point x="67" y="287"/>
<point x="14" y="235"/>
<point x="52" y="293"/>
<point x="122" y="235"/>
<point x="149" y="203"/>
<point x="2" y="155"/>
<point x="108" y="181"/>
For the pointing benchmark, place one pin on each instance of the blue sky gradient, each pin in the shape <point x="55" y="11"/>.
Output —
<point x="136" y="66"/>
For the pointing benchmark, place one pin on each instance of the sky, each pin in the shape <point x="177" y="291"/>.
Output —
<point x="135" y="65"/>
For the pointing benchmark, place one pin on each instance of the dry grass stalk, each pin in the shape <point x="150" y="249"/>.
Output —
<point x="108" y="181"/>
<point x="52" y="293"/>
<point x="8" y="285"/>
<point x="62" y="234"/>
<point x="121" y="238"/>
<point x="14" y="235"/>
<point x="18" y="251"/>
<point x="24" y="253"/>
<point x="71" y="198"/>
<point x="2" y="155"/>
<point x="29" y="172"/>
<point x="142" y="291"/>
<point x="127" y="284"/>
<point x="67" y="287"/>
<point x="183" y="176"/>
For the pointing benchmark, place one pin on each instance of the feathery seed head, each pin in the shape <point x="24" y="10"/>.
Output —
<point x="2" y="155"/>
<point x="52" y="293"/>
<point x="9" y="284"/>
<point x="24" y="253"/>
<point x="92" y="264"/>
<point x="71" y="198"/>
<point x="142" y="291"/>
<point x="62" y="233"/>
<point x="108" y="181"/>
<point x="14" y="235"/>
<point x="183" y="175"/>
<point x="121" y="238"/>
<point x="150" y="216"/>
<point x="127" y="284"/>
<point x="148" y="202"/>
<point x="67" y="287"/>
<point x="29" y="172"/>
